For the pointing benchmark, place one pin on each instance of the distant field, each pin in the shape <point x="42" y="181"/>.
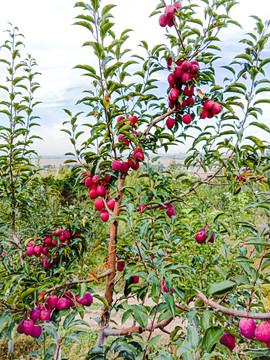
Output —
<point x="55" y="163"/>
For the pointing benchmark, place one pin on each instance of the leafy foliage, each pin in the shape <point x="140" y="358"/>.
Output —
<point x="190" y="244"/>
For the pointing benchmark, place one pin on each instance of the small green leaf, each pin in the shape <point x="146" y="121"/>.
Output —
<point x="170" y="302"/>
<point x="126" y="315"/>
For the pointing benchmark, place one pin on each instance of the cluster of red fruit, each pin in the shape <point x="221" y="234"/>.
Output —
<point x="185" y="73"/>
<point x="132" y="162"/>
<point x="249" y="330"/>
<point x="168" y="17"/>
<point x="201" y="236"/>
<point x="121" y="121"/>
<point x="43" y="313"/>
<point x="61" y="238"/>
<point x="97" y="187"/>
<point x="210" y="109"/>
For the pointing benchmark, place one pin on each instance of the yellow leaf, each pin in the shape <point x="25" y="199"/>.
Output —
<point x="238" y="187"/>
<point x="96" y="248"/>
<point x="93" y="276"/>
<point x="266" y="302"/>
<point x="200" y="93"/>
<point x="106" y="101"/>
<point x="41" y="295"/>
<point x="248" y="174"/>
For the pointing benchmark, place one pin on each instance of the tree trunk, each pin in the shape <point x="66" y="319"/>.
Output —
<point x="105" y="315"/>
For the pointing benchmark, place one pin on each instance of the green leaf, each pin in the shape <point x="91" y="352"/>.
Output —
<point x="257" y="141"/>
<point x="107" y="8"/>
<point x="220" y="287"/>
<point x="126" y="315"/>
<point x="85" y="24"/>
<point x="206" y="319"/>
<point x="162" y="355"/>
<point x="70" y="317"/>
<point x="50" y="329"/>
<point x="261" y="125"/>
<point x="130" y="209"/>
<point x="245" y="56"/>
<point x="102" y="299"/>
<point x="27" y="292"/>
<point x="82" y="290"/>
<point x="192" y="336"/>
<point x="211" y="337"/>
<point x="140" y="317"/>
<point x="262" y="90"/>
<point x="97" y="350"/>
<point x="170" y="302"/>
<point x="122" y="218"/>
<point x="257" y="352"/>
<point x="4" y="319"/>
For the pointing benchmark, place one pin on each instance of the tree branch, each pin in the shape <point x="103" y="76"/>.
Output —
<point x="136" y="329"/>
<point x="152" y="123"/>
<point x="230" y="311"/>
<point x="75" y="282"/>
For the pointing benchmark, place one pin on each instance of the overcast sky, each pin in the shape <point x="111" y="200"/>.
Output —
<point x="56" y="45"/>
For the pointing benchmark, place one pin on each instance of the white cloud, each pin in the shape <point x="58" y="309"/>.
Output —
<point x="56" y="44"/>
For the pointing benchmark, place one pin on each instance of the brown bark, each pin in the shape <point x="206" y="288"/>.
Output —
<point x="154" y="122"/>
<point x="137" y="329"/>
<point x="105" y="316"/>
<point x="69" y="283"/>
<point x="217" y="307"/>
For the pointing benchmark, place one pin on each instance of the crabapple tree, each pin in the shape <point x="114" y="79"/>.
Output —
<point x="199" y="272"/>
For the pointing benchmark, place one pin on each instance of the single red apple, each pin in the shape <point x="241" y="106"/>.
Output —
<point x="63" y="303"/>
<point x="228" y="340"/>
<point x="116" y="165"/>
<point x="163" y="20"/>
<point x="88" y="181"/>
<point x="86" y="300"/>
<point x="30" y="251"/>
<point x="208" y="104"/>
<point x="111" y="204"/>
<point x="93" y="194"/>
<point x="52" y="301"/>
<point x="170" y="123"/>
<point x="37" y="251"/>
<point x="28" y="326"/>
<point x="247" y="328"/>
<point x="99" y="204"/>
<point x="104" y="215"/>
<point x="124" y="167"/>
<point x="121" y="265"/>
<point x="262" y="332"/>
<point x="186" y="119"/>
<point x="36" y="332"/>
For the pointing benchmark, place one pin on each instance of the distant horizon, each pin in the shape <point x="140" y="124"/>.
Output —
<point x="61" y="156"/>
